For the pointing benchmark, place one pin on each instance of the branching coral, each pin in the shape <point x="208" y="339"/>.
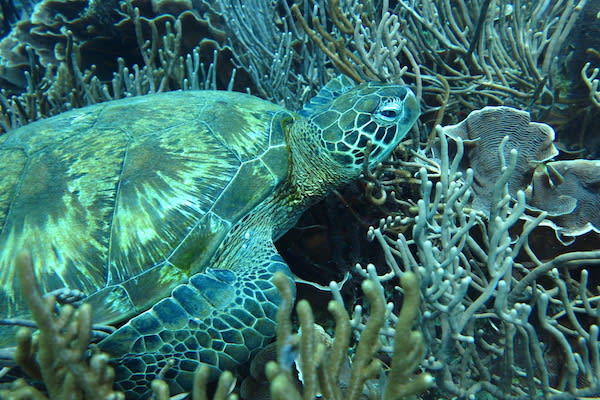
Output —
<point x="468" y="53"/>
<point x="498" y="52"/>
<point x="364" y="42"/>
<point x="321" y="367"/>
<point x="102" y="31"/>
<point x="266" y="49"/>
<point x="497" y="319"/>
<point x="54" y="89"/>
<point x="57" y="354"/>
<point x="592" y="80"/>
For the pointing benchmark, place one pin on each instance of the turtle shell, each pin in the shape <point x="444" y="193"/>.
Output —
<point x="124" y="200"/>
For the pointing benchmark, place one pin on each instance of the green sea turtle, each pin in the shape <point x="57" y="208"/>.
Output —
<point x="163" y="210"/>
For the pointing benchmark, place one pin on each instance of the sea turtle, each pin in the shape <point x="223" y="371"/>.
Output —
<point x="163" y="210"/>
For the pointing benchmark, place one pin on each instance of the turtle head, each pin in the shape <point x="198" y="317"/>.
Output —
<point x="377" y="113"/>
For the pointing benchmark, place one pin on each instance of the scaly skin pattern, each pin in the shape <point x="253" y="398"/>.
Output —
<point x="163" y="210"/>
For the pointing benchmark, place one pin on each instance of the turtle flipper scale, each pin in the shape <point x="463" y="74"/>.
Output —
<point x="219" y="318"/>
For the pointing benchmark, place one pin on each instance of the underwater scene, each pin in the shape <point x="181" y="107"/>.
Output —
<point x="300" y="199"/>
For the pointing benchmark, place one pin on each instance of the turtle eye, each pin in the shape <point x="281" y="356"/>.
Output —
<point x="389" y="112"/>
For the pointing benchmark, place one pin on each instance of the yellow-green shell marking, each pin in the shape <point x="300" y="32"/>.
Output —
<point x="123" y="200"/>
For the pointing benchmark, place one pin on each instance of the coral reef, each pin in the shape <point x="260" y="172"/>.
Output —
<point x="46" y="66"/>
<point x="497" y="318"/>
<point x="321" y="366"/>
<point x="488" y="54"/>
<point x="467" y="54"/>
<point x="565" y="190"/>
<point x="508" y="312"/>
<point x="57" y="354"/>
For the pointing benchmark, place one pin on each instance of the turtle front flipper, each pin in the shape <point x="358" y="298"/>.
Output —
<point x="219" y="317"/>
